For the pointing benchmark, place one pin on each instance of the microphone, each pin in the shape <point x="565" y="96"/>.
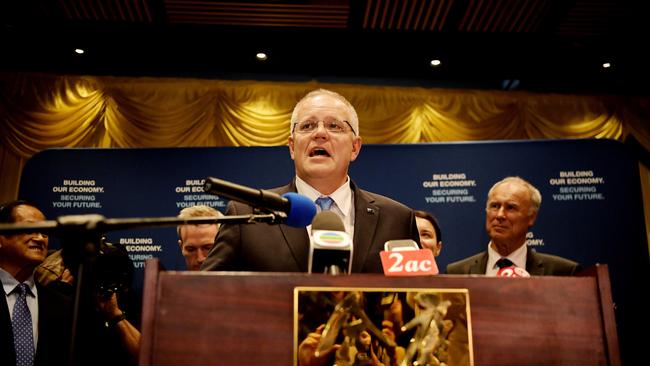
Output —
<point x="399" y="245"/>
<point x="512" y="271"/>
<point x="405" y="258"/>
<point x="330" y="247"/>
<point x="300" y="210"/>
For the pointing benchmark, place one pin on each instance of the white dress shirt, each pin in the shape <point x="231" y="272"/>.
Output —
<point x="518" y="257"/>
<point x="343" y="202"/>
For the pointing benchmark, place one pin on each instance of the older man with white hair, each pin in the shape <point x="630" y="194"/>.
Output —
<point x="511" y="210"/>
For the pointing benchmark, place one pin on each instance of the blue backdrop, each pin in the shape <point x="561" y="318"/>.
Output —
<point x="591" y="209"/>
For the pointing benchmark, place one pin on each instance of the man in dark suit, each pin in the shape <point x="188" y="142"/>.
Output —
<point x="324" y="139"/>
<point x="512" y="207"/>
<point x="49" y="312"/>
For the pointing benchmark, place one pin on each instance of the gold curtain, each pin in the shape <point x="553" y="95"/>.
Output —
<point x="44" y="111"/>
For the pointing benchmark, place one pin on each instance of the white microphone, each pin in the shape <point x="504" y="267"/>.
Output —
<point x="404" y="257"/>
<point x="330" y="247"/>
<point x="512" y="271"/>
<point x="400" y="245"/>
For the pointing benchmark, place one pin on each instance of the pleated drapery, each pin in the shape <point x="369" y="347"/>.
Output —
<point x="45" y="111"/>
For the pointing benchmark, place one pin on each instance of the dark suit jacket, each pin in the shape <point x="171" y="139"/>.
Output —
<point x="54" y="327"/>
<point x="281" y="248"/>
<point x="537" y="264"/>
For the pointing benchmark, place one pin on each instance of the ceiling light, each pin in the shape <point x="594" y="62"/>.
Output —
<point x="261" y="56"/>
<point x="510" y="84"/>
<point x="607" y="65"/>
<point x="79" y="51"/>
<point x="435" y="63"/>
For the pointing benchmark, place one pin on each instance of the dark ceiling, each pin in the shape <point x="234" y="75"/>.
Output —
<point x="536" y="45"/>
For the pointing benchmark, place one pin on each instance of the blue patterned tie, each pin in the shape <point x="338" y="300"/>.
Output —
<point x="21" y="324"/>
<point x="325" y="203"/>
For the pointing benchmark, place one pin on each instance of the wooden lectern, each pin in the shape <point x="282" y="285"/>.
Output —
<point x="228" y="318"/>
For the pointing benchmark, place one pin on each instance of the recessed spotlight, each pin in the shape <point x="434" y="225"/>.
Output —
<point x="510" y="84"/>
<point x="261" y="56"/>
<point x="79" y="51"/>
<point x="435" y="63"/>
<point x="607" y="65"/>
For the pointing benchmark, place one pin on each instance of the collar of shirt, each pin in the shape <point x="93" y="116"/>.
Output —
<point x="518" y="257"/>
<point x="9" y="283"/>
<point x="342" y="198"/>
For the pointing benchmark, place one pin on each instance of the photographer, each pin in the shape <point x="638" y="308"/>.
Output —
<point x="107" y="336"/>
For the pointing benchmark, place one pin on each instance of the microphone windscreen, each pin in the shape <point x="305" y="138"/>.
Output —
<point x="302" y="210"/>
<point x="330" y="247"/>
<point x="327" y="220"/>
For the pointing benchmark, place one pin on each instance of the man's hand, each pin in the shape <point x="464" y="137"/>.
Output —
<point x="107" y="305"/>
<point x="307" y="349"/>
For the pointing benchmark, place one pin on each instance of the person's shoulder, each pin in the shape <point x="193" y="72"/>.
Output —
<point x="553" y="258"/>
<point x="557" y="264"/>
<point x="51" y="269"/>
<point x="283" y="189"/>
<point x="380" y="200"/>
<point x="461" y="266"/>
<point x="239" y="208"/>
<point x="471" y="259"/>
<point x="53" y="297"/>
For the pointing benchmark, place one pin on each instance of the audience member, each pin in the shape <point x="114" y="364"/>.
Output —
<point x="196" y="241"/>
<point x="106" y="326"/>
<point x="324" y="139"/>
<point x="429" y="229"/>
<point x="511" y="209"/>
<point x="35" y="321"/>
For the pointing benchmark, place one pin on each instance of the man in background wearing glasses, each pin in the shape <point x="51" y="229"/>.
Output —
<point x="324" y="139"/>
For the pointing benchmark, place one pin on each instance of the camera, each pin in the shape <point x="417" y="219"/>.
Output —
<point x="107" y="266"/>
<point x="112" y="271"/>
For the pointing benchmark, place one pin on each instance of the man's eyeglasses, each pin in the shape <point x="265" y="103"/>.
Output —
<point x="333" y="126"/>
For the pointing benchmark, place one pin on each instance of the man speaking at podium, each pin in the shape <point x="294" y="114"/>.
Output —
<point x="511" y="209"/>
<point x="324" y="139"/>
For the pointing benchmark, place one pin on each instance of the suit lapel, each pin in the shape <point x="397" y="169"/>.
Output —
<point x="480" y="264"/>
<point x="44" y="317"/>
<point x="296" y="239"/>
<point x="366" y="217"/>
<point x="534" y="265"/>
<point x="54" y="327"/>
<point x="7" y="352"/>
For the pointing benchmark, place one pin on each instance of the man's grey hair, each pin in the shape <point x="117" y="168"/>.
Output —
<point x="197" y="211"/>
<point x="353" y="121"/>
<point x="535" y="196"/>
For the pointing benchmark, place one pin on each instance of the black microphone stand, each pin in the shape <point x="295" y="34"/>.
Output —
<point x="81" y="237"/>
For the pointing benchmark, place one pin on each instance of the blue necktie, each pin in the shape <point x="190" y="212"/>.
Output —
<point x="21" y="323"/>
<point x="325" y="203"/>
